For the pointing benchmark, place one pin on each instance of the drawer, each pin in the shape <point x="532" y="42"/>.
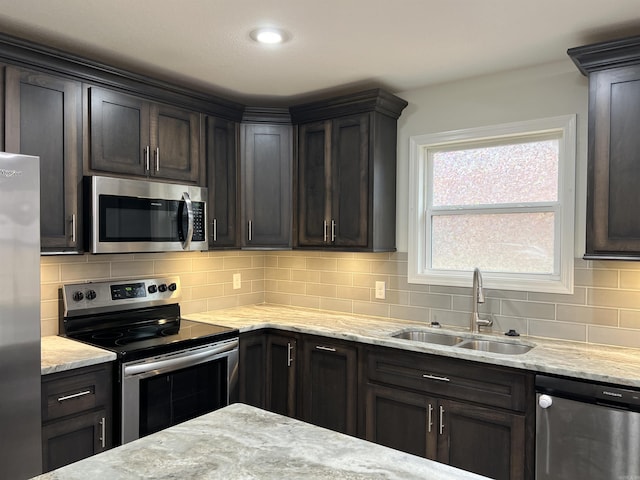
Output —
<point x="449" y="377"/>
<point x="75" y="391"/>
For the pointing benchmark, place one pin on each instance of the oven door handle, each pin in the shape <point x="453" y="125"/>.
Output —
<point x="154" y="368"/>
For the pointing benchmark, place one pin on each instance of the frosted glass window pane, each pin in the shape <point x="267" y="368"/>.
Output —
<point x="517" y="173"/>
<point x="512" y="243"/>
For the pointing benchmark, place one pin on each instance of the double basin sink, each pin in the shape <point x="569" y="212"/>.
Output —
<point x="453" y="340"/>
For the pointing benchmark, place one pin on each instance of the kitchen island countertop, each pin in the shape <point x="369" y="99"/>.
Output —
<point x="243" y="442"/>
<point x="616" y="365"/>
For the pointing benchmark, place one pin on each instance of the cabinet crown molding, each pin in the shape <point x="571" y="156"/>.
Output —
<point x="374" y="100"/>
<point x="605" y="55"/>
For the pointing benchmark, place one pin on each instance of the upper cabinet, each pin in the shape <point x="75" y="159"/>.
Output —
<point x="132" y="136"/>
<point x="346" y="171"/>
<point x="266" y="169"/>
<point x="222" y="179"/>
<point x="43" y="118"/>
<point x="613" y="68"/>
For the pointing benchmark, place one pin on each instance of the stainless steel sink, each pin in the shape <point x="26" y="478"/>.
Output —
<point x="494" y="346"/>
<point x="429" y="337"/>
<point x="453" y="340"/>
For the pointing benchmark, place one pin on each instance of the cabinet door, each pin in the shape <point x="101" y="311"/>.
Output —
<point x="251" y="369"/>
<point x="281" y="378"/>
<point x="314" y="176"/>
<point x="175" y="143"/>
<point x="485" y="441"/>
<point x="72" y="439"/>
<point x="43" y="118"/>
<point x="222" y="181"/>
<point x="266" y="185"/>
<point x="350" y="180"/>
<point x="119" y="127"/>
<point x="328" y="384"/>
<point x="402" y="420"/>
<point x="614" y="170"/>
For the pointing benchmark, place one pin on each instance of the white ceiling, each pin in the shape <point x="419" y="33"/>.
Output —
<point x="336" y="45"/>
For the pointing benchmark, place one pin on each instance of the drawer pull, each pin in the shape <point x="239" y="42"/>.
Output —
<point x="75" y="395"/>
<point x="326" y="349"/>
<point x="436" y="377"/>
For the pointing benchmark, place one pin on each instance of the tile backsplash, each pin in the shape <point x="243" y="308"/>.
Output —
<point x="604" y="308"/>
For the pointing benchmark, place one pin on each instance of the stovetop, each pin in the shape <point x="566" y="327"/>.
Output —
<point x="134" y="319"/>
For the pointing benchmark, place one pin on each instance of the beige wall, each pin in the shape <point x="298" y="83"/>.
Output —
<point x="605" y="307"/>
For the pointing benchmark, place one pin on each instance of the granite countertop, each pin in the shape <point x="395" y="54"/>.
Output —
<point x="601" y="363"/>
<point x="59" y="354"/>
<point x="243" y="442"/>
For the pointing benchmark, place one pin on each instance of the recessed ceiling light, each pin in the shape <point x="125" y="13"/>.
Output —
<point x="270" y="36"/>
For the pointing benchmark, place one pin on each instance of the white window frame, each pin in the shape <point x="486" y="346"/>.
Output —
<point x="419" y="244"/>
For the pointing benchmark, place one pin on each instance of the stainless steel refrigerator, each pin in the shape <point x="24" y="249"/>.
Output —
<point x="20" y="421"/>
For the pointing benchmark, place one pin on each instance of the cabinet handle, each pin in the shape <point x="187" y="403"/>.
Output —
<point x="333" y="231"/>
<point x="430" y="418"/>
<point x="74" y="228"/>
<point x="435" y="377"/>
<point x="441" y="419"/>
<point x="325" y="349"/>
<point x="289" y="351"/>
<point x="146" y="157"/>
<point x="157" y="159"/>
<point x="103" y="432"/>
<point x="250" y="230"/>
<point x="215" y="230"/>
<point x="325" y="231"/>
<point x="75" y="395"/>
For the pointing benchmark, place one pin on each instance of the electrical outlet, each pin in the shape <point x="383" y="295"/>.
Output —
<point x="380" y="290"/>
<point x="237" y="281"/>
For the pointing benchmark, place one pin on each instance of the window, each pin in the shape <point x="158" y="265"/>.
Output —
<point x="499" y="198"/>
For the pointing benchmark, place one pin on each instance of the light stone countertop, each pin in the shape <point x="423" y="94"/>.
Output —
<point x="59" y="354"/>
<point x="243" y="442"/>
<point x="601" y="363"/>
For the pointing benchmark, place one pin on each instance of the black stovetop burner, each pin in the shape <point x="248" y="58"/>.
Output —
<point x="150" y="326"/>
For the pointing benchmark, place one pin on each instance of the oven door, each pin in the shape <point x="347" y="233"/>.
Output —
<point x="162" y="391"/>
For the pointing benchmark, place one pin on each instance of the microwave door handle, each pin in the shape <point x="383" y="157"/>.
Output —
<point x="187" y="241"/>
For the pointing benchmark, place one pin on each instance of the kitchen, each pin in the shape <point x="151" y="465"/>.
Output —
<point x="602" y="310"/>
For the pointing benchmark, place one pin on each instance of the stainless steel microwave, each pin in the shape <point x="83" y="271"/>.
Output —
<point x="125" y="216"/>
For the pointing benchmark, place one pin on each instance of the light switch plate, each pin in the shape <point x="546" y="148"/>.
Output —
<point x="380" y="290"/>
<point x="237" y="281"/>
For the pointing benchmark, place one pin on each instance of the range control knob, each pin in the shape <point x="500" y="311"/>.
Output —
<point x="77" y="296"/>
<point x="152" y="289"/>
<point x="91" y="294"/>
<point x="162" y="287"/>
<point x="172" y="287"/>
<point x="545" y="401"/>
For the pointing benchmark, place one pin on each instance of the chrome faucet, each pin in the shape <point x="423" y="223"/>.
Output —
<point x="478" y="298"/>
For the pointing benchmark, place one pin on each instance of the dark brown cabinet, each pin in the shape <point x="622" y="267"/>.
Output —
<point x="470" y="416"/>
<point x="328" y="384"/>
<point x="268" y="371"/>
<point x="346" y="171"/>
<point x="222" y="178"/>
<point x="266" y="169"/>
<point x="613" y="68"/>
<point x="76" y="415"/>
<point x="43" y="118"/>
<point x="132" y="136"/>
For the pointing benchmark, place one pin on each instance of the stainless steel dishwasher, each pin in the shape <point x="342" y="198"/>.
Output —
<point x="586" y="431"/>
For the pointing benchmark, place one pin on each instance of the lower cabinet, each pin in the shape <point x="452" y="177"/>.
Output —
<point x="329" y="384"/>
<point x="76" y="415"/>
<point x="267" y="371"/>
<point x="474" y="416"/>
<point x="467" y="415"/>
